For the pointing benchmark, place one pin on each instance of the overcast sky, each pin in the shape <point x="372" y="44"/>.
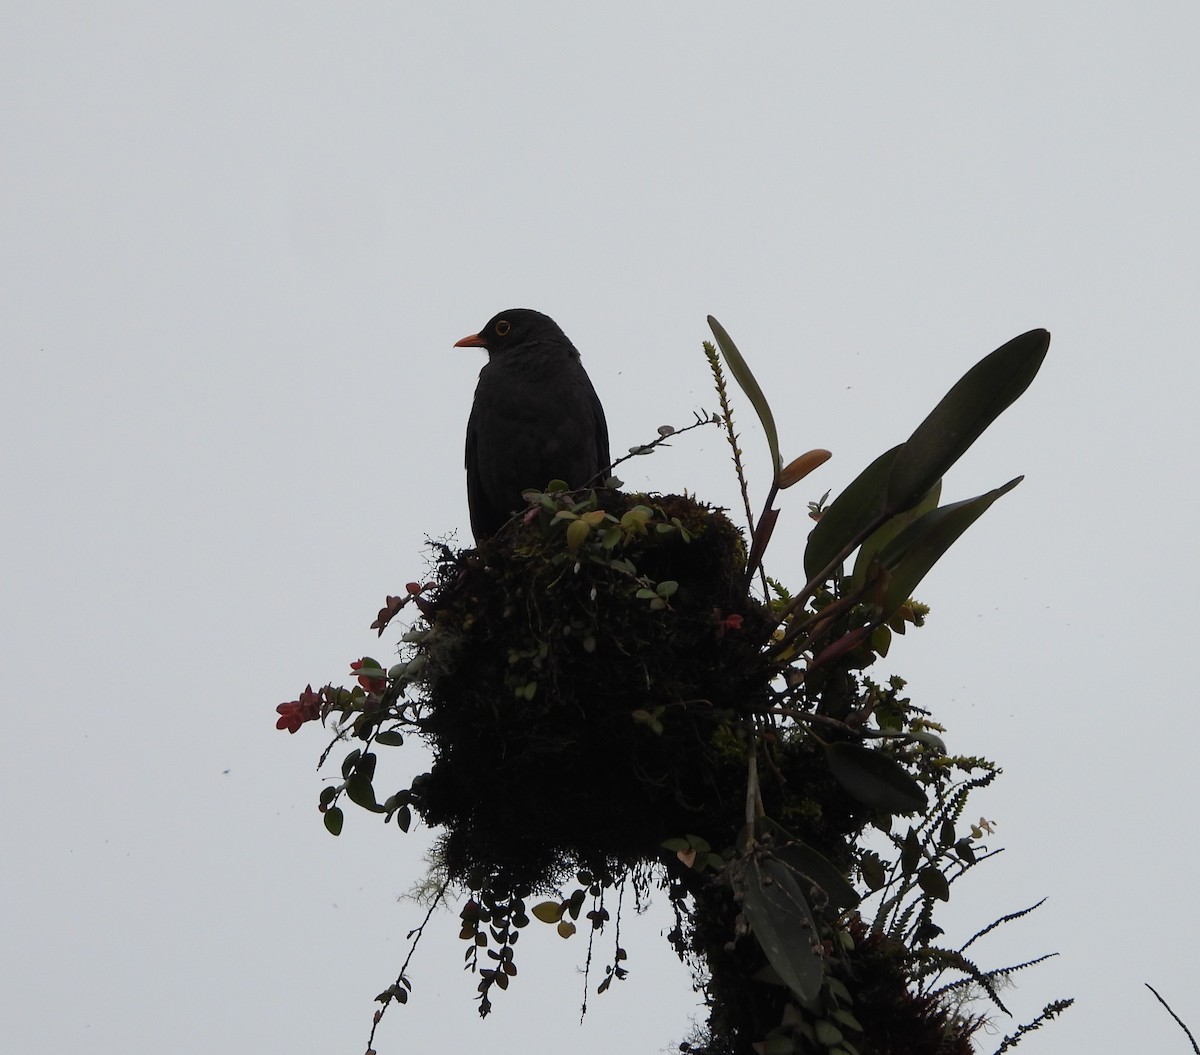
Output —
<point x="239" y="241"/>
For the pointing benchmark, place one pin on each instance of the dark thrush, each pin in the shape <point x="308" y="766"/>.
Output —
<point x="536" y="418"/>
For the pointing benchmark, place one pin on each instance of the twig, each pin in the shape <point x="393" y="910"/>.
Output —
<point x="1195" y="1047"/>
<point x="401" y="982"/>
<point x="665" y="433"/>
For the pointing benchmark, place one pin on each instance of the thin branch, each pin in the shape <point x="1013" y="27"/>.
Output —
<point x="752" y="787"/>
<point x="401" y="983"/>
<point x="1195" y="1047"/>
<point x="665" y="433"/>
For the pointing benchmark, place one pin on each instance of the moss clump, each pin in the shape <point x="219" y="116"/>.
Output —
<point x="586" y="686"/>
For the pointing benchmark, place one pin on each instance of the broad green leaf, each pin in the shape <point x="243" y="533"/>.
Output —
<point x="577" y="532"/>
<point x="807" y="862"/>
<point x="394" y="802"/>
<point x="827" y="1033"/>
<point x="365" y="766"/>
<point x="361" y="793"/>
<point x="745" y="379"/>
<point x="889" y="530"/>
<point x="813" y="866"/>
<point x="910" y="852"/>
<point x="934" y="883"/>
<point x="980" y="396"/>
<point x="390" y="738"/>
<point x="848" y="515"/>
<point x="875" y="779"/>
<point x="548" y="911"/>
<point x="783" y="924"/>
<point x="837" y="989"/>
<point x="881" y="640"/>
<point x="333" y="820"/>
<point x="947" y="834"/>
<point x="847" y="1019"/>
<point x="778" y="1044"/>
<point x="871" y="868"/>
<point x="910" y="555"/>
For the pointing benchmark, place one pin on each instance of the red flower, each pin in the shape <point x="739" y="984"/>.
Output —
<point x="730" y="622"/>
<point x="295" y="714"/>
<point x="371" y="684"/>
<point x="388" y="611"/>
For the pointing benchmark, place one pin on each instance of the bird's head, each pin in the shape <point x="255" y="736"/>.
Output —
<point x="511" y="328"/>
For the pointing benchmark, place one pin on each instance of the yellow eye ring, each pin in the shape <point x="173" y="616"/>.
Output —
<point x="502" y="327"/>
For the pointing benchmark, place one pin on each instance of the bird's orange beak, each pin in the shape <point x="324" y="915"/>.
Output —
<point x="474" y="341"/>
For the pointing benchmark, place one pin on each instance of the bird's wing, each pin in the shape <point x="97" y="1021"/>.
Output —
<point x="475" y="497"/>
<point x="603" y="458"/>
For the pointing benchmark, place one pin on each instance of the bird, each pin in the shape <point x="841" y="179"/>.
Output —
<point x="535" y="418"/>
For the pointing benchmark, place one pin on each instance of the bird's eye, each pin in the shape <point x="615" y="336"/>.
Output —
<point x="502" y="327"/>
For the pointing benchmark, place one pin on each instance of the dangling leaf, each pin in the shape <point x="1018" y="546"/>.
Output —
<point x="874" y="779"/>
<point x="915" y="550"/>
<point x="745" y="379"/>
<point x="980" y="396"/>
<point x="783" y="924"/>
<point x="860" y="504"/>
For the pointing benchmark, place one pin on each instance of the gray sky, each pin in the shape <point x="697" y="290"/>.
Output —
<point x="238" y="243"/>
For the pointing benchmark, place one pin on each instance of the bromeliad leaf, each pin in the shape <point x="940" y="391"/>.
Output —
<point x="850" y="514"/>
<point x="980" y="396"/>
<point x="888" y="531"/>
<point x="910" y="555"/>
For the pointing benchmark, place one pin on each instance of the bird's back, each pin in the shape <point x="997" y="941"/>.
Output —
<point x="536" y="418"/>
